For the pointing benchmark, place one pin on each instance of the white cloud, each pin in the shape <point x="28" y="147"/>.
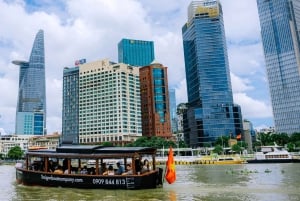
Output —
<point x="241" y="20"/>
<point x="54" y="108"/>
<point x="252" y="108"/>
<point x="181" y="92"/>
<point x="2" y="132"/>
<point x="239" y="84"/>
<point x="246" y="59"/>
<point x="168" y="50"/>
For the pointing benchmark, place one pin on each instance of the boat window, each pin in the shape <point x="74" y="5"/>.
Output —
<point x="36" y="164"/>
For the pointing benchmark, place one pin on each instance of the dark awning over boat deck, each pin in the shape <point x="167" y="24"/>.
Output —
<point x="91" y="151"/>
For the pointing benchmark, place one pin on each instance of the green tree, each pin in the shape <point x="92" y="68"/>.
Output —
<point x="15" y="153"/>
<point x="156" y="142"/>
<point x="265" y="139"/>
<point x="242" y="144"/>
<point x="236" y="148"/>
<point x="218" y="149"/>
<point x="107" y="144"/>
<point x="297" y="146"/>
<point x="295" y="137"/>
<point x="222" y="141"/>
<point x="290" y="147"/>
<point x="182" y="144"/>
<point x="206" y="144"/>
<point x="280" y="139"/>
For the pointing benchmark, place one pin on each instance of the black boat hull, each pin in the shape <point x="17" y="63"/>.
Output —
<point x="273" y="161"/>
<point x="149" y="180"/>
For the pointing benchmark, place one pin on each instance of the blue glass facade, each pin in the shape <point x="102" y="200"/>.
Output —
<point x="280" y="26"/>
<point x="32" y="91"/>
<point x="70" y="112"/>
<point x="135" y="52"/>
<point x="38" y="122"/>
<point x="173" y="110"/>
<point x="211" y="112"/>
<point x="159" y="93"/>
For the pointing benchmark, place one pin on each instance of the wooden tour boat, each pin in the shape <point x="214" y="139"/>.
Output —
<point x="77" y="171"/>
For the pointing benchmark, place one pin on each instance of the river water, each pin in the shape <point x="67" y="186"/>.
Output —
<point x="194" y="182"/>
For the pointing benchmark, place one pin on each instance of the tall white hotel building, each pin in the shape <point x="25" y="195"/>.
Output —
<point x="109" y="105"/>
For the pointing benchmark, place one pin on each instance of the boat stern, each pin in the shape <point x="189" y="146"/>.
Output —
<point x="19" y="176"/>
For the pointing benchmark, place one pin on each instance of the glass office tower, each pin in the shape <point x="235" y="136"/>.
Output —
<point x="211" y="112"/>
<point x="135" y="52"/>
<point x="280" y="26"/>
<point x="31" y="106"/>
<point x="173" y="110"/>
<point x="70" y="111"/>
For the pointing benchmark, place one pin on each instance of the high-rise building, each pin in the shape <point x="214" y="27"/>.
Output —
<point x="70" y="109"/>
<point x="173" y="110"/>
<point x="249" y="134"/>
<point x="109" y="103"/>
<point x="211" y="112"/>
<point x="136" y="52"/>
<point x="181" y="116"/>
<point x="101" y="103"/>
<point x="155" y="101"/>
<point x="280" y="26"/>
<point x="31" y="106"/>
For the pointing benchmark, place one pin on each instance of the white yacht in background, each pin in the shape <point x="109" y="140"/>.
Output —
<point x="272" y="154"/>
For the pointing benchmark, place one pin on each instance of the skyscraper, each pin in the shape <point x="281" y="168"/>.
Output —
<point x="280" y="26"/>
<point x="101" y="103"/>
<point x="155" y="101"/>
<point x="109" y="102"/>
<point x="31" y="106"/>
<point x="211" y="112"/>
<point x="173" y="110"/>
<point x="70" y="109"/>
<point x="135" y="52"/>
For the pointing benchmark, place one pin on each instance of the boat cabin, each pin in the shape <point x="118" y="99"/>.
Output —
<point x="90" y="165"/>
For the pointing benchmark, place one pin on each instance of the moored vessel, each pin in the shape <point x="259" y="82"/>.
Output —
<point x="272" y="154"/>
<point x="221" y="159"/>
<point x="72" y="169"/>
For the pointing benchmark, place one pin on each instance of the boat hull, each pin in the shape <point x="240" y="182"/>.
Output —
<point x="212" y="162"/>
<point x="273" y="161"/>
<point x="149" y="180"/>
<point x="227" y="160"/>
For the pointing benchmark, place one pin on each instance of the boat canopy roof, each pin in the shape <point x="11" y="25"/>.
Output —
<point x="91" y="151"/>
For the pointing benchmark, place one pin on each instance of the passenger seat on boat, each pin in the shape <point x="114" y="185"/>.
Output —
<point x="59" y="170"/>
<point x="128" y="170"/>
<point x="84" y="170"/>
<point x="110" y="171"/>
